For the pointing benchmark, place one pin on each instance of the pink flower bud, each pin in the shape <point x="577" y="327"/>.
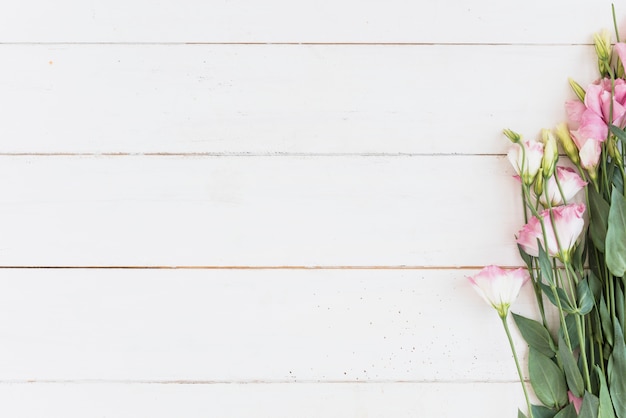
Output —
<point x="527" y="160"/>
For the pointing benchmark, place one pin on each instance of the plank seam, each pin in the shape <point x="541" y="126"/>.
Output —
<point x="201" y="43"/>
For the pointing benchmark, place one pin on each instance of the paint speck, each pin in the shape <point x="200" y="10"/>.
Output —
<point x="50" y="62"/>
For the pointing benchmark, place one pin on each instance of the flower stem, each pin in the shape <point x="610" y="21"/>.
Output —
<point x="517" y="365"/>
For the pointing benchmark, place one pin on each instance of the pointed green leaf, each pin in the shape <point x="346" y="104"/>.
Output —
<point x="616" y="235"/>
<point x="606" y="406"/>
<point x="570" y="367"/>
<point x="535" y="334"/>
<point x="570" y="322"/>
<point x="590" y="406"/>
<point x="545" y="266"/>
<point x="619" y="134"/>
<point x="520" y="414"/>
<point x="527" y="259"/>
<point x="598" y="219"/>
<point x="585" y="297"/>
<point x="617" y="371"/>
<point x="619" y="303"/>
<point x="561" y="295"/>
<point x="568" y="412"/>
<point x="547" y="380"/>
<point x="543" y="412"/>
<point x="607" y="323"/>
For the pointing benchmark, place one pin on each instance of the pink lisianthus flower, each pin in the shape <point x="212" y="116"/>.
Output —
<point x="590" y="120"/>
<point x="570" y="181"/>
<point x="568" y="225"/>
<point x="499" y="287"/>
<point x="578" y="402"/>
<point x="526" y="161"/>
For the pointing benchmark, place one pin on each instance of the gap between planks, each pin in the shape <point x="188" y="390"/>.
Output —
<point x="247" y="382"/>
<point x="426" y="268"/>
<point x="191" y="43"/>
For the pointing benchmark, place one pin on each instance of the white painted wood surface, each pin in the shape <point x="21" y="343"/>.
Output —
<point x="323" y="175"/>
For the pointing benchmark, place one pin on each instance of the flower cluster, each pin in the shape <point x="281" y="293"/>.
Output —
<point x="573" y="246"/>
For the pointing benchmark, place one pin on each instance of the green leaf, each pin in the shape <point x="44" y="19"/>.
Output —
<point x="535" y="334"/>
<point x="562" y="297"/>
<point x="520" y="414"/>
<point x="547" y="380"/>
<point x="619" y="303"/>
<point x="527" y="259"/>
<point x="568" y="412"/>
<point x="590" y="406"/>
<point x="598" y="219"/>
<point x="607" y="323"/>
<point x="542" y="412"/>
<point x="572" y="372"/>
<point x="619" y="134"/>
<point x="616" y="235"/>
<point x="617" y="371"/>
<point x="606" y="406"/>
<point x="570" y="322"/>
<point x="585" y="297"/>
<point x="544" y="265"/>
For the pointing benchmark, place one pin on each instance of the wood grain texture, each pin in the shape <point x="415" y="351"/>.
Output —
<point x="258" y="211"/>
<point x="457" y="21"/>
<point x="491" y="400"/>
<point x="247" y="326"/>
<point x="268" y="99"/>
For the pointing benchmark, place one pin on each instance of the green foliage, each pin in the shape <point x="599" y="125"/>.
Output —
<point x="568" y="412"/>
<point x="616" y="235"/>
<point x="617" y="372"/>
<point x="590" y="406"/>
<point x="547" y="380"/>
<point x="599" y="218"/>
<point x="572" y="372"/>
<point x="606" y="406"/>
<point x="536" y="335"/>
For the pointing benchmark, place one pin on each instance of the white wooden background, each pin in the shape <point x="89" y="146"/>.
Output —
<point x="234" y="208"/>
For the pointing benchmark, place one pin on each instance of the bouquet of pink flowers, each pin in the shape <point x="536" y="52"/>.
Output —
<point x="573" y="243"/>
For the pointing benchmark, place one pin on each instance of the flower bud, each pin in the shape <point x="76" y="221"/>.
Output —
<point x="513" y="136"/>
<point x="570" y="148"/>
<point x="614" y="152"/>
<point x="526" y="157"/>
<point x="550" y="153"/>
<point x="578" y="90"/>
<point x="538" y="186"/>
<point x="602" y="44"/>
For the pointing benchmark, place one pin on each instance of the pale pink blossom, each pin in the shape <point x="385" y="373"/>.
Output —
<point x="526" y="161"/>
<point x="578" y="402"/>
<point x="568" y="223"/>
<point x="499" y="287"/>
<point x="590" y="120"/>
<point x="570" y="181"/>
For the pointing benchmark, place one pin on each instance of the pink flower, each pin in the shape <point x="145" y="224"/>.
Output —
<point x="578" y="402"/>
<point x="590" y="119"/>
<point x="499" y="287"/>
<point x="568" y="222"/>
<point x="570" y="181"/>
<point x="526" y="161"/>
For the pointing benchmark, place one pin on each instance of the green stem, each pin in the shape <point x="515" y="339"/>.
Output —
<point x="517" y="365"/>
<point x="583" y="351"/>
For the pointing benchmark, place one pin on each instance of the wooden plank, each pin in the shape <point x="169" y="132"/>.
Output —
<point x="266" y="99"/>
<point x="489" y="400"/>
<point x="229" y="326"/>
<point x="476" y="21"/>
<point x="258" y="211"/>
